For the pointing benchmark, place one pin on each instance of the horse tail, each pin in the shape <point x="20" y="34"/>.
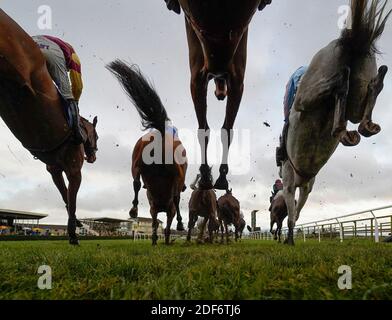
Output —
<point x="142" y="94"/>
<point x="367" y="25"/>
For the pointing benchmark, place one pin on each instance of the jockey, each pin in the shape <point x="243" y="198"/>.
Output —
<point x="291" y="91"/>
<point x="61" y="58"/>
<point x="278" y="186"/>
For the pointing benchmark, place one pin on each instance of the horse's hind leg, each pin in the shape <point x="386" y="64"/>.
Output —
<point x="367" y="128"/>
<point x="136" y="187"/>
<point x="58" y="179"/>
<point x="289" y="197"/>
<point x="180" y="225"/>
<point x="202" y="229"/>
<point x="340" y="122"/>
<point x="75" y="179"/>
<point x="303" y="196"/>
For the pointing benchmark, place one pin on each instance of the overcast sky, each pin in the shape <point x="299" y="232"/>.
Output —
<point x="283" y="37"/>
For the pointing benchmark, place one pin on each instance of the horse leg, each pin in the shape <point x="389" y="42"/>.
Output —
<point x="180" y="225"/>
<point x="154" y="216"/>
<point x="367" y="128"/>
<point x="289" y="197"/>
<point x="201" y="232"/>
<point x="58" y="179"/>
<point x="279" y="231"/>
<point x="340" y="122"/>
<point x="136" y="188"/>
<point x="74" y="178"/>
<point x="199" y="86"/>
<point x="303" y="196"/>
<point x="170" y="216"/>
<point x="211" y="227"/>
<point x="347" y="138"/>
<point x="227" y="233"/>
<point x="222" y="230"/>
<point x="235" y="92"/>
<point x="191" y="225"/>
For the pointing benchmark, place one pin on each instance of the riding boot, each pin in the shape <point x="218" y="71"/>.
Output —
<point x="281" y="152"/>
<point x="78" y="135"/>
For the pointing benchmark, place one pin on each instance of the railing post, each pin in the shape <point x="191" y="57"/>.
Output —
<point x="371" y="227"/>
<point x="376" y="230"/>
<point x="355" y="229"/>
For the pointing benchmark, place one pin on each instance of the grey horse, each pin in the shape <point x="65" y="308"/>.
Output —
<point x="342" y="84"/>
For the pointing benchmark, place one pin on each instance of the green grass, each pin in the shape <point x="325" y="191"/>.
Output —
<point x="249" y="270"/>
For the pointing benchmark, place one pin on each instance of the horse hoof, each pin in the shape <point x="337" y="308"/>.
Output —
<point x="221" y="184"/>
<point x="79" y="224"/>
<point x="289" y="242"/>
<point x="74" y="242"/>
<point x="337" y="132"/>
<point x="350" y="139"/>
<point x="180" y="226"/>
<point x="133" y="213"/>
<point x="368" y="129"/>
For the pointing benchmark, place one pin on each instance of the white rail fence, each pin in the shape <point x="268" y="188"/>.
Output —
<point x="374" y="223"/>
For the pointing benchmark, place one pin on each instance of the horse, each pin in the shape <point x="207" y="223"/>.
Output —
<point x="278" y="210"/>
<point x="241" y="227"/>
<point x="33" y="110"/>
<point x="217" y="33"/>
<point x="228" y="214"/>
<point x="163" y="178"/>
<point x="342" y="84"/>
<point x="203" y="203"/>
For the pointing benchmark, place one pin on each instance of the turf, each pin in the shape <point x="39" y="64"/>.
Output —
<point x="124" y="269"/>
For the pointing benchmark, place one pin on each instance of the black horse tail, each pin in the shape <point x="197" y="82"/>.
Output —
<point x="142" y="94"/>
<point x="367" y="25"/>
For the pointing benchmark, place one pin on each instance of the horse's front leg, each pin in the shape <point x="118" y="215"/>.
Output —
<point x="199" y="86"/>
<point x="235" y="92"/>
<point x="303" y="197"/>
<point x="180" y="225"/>
<point x="154" y="216"/>
<point x="170" y="216"/>
<point x="289" y="197"/>
<point x="367" y="128"/>
<point x="200" y="238"/>
<point x="191" y="225"/>
<point x="75" y="179"/>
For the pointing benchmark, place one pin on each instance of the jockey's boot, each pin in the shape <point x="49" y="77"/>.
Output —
<point x="281" y="152"/>
<point x="78" y="135"/>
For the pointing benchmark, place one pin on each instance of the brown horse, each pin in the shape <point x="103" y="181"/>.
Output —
<point x="33" y="110"/>
<point x="203" y="204"/>
<point x="279" y="212"/>
<point x="159" y="157"/>
<point x="217" y="33"/>
<point x="229" y="214"/>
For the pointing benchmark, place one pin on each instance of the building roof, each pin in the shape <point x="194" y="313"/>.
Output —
<point x="142" y="219"/>
<point x="21" y="215"/>
<point x="105" y="220"/>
